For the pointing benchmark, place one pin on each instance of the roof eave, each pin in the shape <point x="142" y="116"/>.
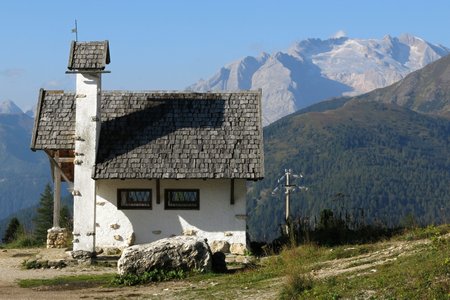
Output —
<point x="37" y="117"/>
<point x="261" y="133"/>
<point x="84" y="71"/>
<point x="97" y="177"/>
<point x="106" y="55"/>
<point x="72" y="49"/>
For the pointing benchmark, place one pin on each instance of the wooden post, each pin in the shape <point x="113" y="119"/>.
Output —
<point x="56" y="192"/>
<point x="287" y="196"/>
<point x="288" y="193"/>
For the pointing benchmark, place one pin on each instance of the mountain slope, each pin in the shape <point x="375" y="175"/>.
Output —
<point x="9" y="107"/>
<point x="388" y="161"/>
<point x="23" y="174"/>
<point x="426" y="90"/>
<point x="314" y="70"/>
<point x="26" y="215"/>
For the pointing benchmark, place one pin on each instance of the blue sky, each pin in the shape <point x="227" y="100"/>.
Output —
<point x="170" y="44"/>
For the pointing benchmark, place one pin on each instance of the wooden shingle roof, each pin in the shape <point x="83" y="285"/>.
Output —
<point x="89" y="56"/>
<point x="54" y="123"/>
<point x="163" y="134"/>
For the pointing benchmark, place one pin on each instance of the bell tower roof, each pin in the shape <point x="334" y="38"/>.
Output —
<point x="89" y="56"/>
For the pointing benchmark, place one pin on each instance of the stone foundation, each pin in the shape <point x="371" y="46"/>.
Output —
<point x="220" y="246"/>
<point x="238" y="249"/>
<point x="227" y="248"/>
<point x="57" y="237"/>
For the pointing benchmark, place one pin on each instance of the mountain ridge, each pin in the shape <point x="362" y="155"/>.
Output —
<point x="23" y="174"/>
<point x="313" y="70"/>
<point x="403" y="93"/>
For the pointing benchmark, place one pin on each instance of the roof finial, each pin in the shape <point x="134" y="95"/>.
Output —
<point x="75" y="30"/>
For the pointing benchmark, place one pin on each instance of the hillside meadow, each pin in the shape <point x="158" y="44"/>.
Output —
<point x="412" y="265"/>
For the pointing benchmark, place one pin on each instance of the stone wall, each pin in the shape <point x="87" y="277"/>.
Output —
<point x="58" y="238"/>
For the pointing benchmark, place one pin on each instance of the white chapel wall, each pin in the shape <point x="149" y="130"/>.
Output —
<point x="216" y="220"/>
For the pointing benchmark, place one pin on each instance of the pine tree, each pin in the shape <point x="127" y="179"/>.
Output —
<point x="44" y="218"/>
<point x="13" y="231"/>
<point x="65" y="218"/>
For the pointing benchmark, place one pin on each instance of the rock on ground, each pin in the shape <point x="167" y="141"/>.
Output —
<point x="220" y="246"/>
<point x="175" y="253"/>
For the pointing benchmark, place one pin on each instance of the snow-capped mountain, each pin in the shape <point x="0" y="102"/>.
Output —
<point x="313" y="70"/>
<point x="9" y="107"/>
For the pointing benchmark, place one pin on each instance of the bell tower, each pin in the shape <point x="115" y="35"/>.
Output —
<point x="87" y="61"/>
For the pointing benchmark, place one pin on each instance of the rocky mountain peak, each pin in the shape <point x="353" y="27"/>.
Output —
<point x="313" y="70"/>
<point x="9" y="107"/>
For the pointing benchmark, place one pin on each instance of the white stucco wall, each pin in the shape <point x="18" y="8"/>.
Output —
<point x="88" y="88"/>
<point x="216" y="219"/>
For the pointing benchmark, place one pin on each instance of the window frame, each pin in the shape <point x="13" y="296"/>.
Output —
<point x="122" y="206"/>
<point x="181" y="207"/>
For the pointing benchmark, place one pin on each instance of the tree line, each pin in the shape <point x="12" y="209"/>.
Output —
<point x="16" y="235"/>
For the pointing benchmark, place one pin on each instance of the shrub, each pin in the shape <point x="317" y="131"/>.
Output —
<point x="35" y="264"/>
<point x="296" y="284"/>
<point x="151" y="276"/>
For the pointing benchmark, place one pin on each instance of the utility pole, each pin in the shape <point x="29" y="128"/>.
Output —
<point x="288" y="187"/>
<point x="288" y="200"/>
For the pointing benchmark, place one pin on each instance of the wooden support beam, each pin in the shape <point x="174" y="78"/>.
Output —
<point x="56" y="192"/>
<point x="65" y="159"/>
<point x="54" y="164"/>
<point x="232" y="192"/>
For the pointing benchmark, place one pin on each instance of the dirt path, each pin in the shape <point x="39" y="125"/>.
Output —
<point x="11" y="272"/>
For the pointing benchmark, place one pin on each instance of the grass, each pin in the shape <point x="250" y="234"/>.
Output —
<point x="422" y="274"/>
<point x="22" y="241"/>
<point x="78" y="281"/>
<point x="352" y="251"/>
<point x="147" y="277"/>
<point x="424" y="233"/>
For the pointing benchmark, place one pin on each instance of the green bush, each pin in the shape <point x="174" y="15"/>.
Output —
<point x="151" y="276"/>
<point x="35" y="264"/>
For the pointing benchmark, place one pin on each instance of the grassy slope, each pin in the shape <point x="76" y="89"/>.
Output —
<point x="415" y="265"/>
<point x="402" y="268"/>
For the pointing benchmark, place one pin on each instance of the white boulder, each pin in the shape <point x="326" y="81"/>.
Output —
<point x="176" y="253"/>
